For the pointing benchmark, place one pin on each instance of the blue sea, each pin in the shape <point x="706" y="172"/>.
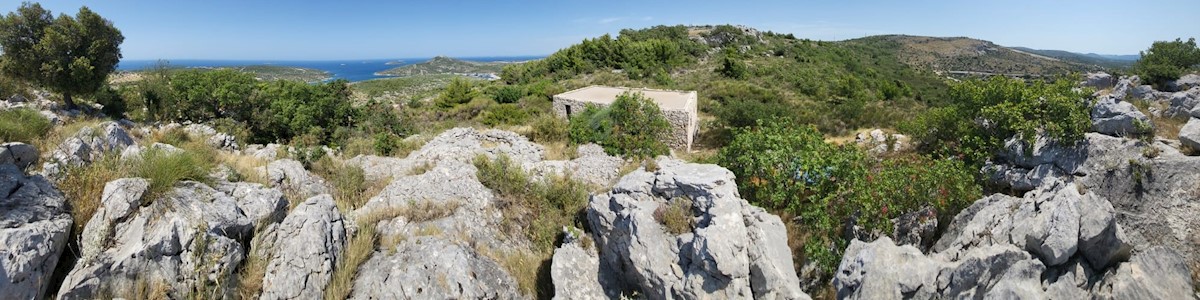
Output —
<point x="352" y="70"/>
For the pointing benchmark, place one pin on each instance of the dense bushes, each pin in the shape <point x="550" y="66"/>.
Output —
<point x="982" y="114"/>
<point x="792" y="169"/>
<point x="22" y="125"/>
<point x="1166" y="61"/>
<point x="639" y="53"/>
<point x="632" y="126"/>
<point x="268" y="111"/>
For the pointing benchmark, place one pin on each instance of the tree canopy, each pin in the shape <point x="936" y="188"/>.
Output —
<point x="1166" y="61"/>
<point x="68" y="55"/>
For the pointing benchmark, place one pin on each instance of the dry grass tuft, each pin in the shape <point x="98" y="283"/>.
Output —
<point x="52" y="139"/>
<point x="360" y="248"/>
<point x="676" y="217"/>
<point x="246" y="168"/>
<point x="531" y="269"/>
<point x="351" y="189"/>
<point x="560" y="151"/>
<point x="420" y="169"/>
<point x="1167" y="127"/>
<point x="83" y="187"/>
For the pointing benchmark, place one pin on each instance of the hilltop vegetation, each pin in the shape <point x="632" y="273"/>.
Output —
<point x="445" y="65"/>
<point x="960" y="54"/>
<point x="272" y="73"/>
<point x="1102" y="61"/>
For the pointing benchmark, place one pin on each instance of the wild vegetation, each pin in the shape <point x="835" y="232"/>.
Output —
<point x="1167" y="60"/>
<point x="68" y="55"/>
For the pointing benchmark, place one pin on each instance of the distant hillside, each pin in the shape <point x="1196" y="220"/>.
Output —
<point x="1107" y="61"/>
<point x="967" y="55"/>
<point x="271" y="72"/>
<point x="261" y="72"/>
<point x="445" y="65"/>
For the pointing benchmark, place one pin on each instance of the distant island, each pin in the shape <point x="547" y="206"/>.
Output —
<point x="447" y="65"/>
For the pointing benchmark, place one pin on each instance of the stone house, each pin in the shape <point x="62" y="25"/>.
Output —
<point x="679" y="107"/>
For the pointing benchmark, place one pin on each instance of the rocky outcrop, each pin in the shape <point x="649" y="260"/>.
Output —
<point x="87" y="145"/>
<point x="1118" y="118"/>
<point x="577" y="272"/>
<point x="34" y="228"/>
<point x="433" y="267"/>
<point x="1189" y="135"/>
<point x="20" y="155"/>
<point x="290" y="175"/>
<point x="876" y="141"/>
<point x="735" y="250"/>
<point x="1099" y="80"/>
<point x="269" y="152"/>
<point x="1055" y="242"/>
<point x="303" y="250"/>
<point x="593" y="166"/>
<point x="1180" y="103"/>
<point x="219" y="140"/>
<point x="190" y="239"/>
<point x="1184" y="83"/>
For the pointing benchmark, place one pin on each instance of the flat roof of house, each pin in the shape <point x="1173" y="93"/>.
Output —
<point x="666" y="99"/>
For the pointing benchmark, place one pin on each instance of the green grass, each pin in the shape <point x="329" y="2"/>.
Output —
<point x="23" y="125"/>
<point x="165" y="169"/>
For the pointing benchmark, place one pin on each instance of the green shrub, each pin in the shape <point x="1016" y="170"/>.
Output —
<point x="385" y="143"/>
<point x="112" y="101"/>
<point x="549" y="128"/>
<point x="508" y="94"/>
<point x="459" y="91"/>
<point x="504" y="114"/>
<point x="23" y="125"/>
<point x="732" y="67"/>
<point x="632" y="126"/>
<point x="793" y="170"/>
<point x="1167" y="60"/>
<point x="983" y="114"/>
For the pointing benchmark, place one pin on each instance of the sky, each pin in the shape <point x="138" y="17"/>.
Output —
<point x="328" y="30"/>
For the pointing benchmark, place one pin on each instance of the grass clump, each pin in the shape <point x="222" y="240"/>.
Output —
<point x="164" y="169"/>
<point x="357" y="251"/>
<point x="351" y="189"/>
<point x="676" y="216"/>
<point x="23" y="125"/>
<point x="535" y="210"/>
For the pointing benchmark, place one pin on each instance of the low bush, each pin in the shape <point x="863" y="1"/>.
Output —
<point x="548" y="129"/>
<point x="983" y="114"/>
<point x="23" y="125"/>
<point x="504" y="114"/>
<point x="632" y="126"/>
<point x="508" y="94"/>
<point x="793" y="171"/>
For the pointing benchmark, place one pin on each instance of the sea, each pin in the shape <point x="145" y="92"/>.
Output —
<point x="350" y="70"/>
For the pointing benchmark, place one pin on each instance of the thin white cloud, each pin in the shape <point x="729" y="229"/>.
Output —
<point x="610" y="20"/>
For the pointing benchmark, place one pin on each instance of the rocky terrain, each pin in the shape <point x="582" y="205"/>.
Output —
<point x="1111" y="218"/>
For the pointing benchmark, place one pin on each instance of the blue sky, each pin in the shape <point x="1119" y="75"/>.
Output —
<point x="314" y="30"/>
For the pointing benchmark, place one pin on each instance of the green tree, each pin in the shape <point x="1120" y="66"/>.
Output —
<point x="459" y="91"/>
<point x="1166" y="61"/>
<point x="732" y="66"/>
<point x="68" y="55"/>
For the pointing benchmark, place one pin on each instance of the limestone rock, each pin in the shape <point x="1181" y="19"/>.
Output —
<point x="87" y="145"/>
<point x="433" y="267"/>
<point x="305" y="250"/>
<point x="19" y="154"/>
<point x="190" y="236"/>
<point x="1118" y="118"/>
<point x="1158" y="273"/>
<point x="1189" y="135"/>
<point x="290" y="175"/>
<point x="34" y="228"/>
<point x="593" y="166"/>
<point x="1099" y="80"/>
<point x="577" y="272"/>
<point x="916" y="228"/>
<point x="1181" y="103"/>
<point x="732" y="245"/>
<point x="1183" y="83"/>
